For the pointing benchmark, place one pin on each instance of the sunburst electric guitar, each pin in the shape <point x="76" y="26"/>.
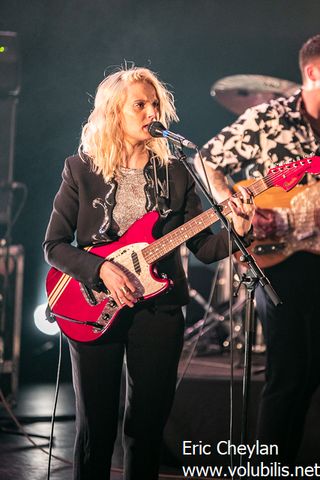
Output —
<point x="285" y="223"/>
<point x="86" y="316"/>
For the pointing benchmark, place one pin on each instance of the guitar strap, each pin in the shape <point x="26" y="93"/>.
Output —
<point x="161" y="188"/>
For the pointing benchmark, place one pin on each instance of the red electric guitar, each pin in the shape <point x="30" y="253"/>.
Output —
<point x="85" y="315"/>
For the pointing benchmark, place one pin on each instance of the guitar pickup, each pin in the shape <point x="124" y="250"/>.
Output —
<point x="266" y="249"/>
<point x="136" y="263"/>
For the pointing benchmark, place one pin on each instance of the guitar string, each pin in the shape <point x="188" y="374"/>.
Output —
<point x="194" y="223"/>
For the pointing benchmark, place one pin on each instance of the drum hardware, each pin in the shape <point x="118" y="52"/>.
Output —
<point x="213" y="329"/>
<point x="212" y="332"/>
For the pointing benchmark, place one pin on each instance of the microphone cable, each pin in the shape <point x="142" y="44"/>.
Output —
<point x="231" y="390"/>
<point x="48" y="452"/>
<point x="54" y="408"/>
<point x="199" y="334"/>
<point x="206" y="315"/>
<point x="231" y="386"/>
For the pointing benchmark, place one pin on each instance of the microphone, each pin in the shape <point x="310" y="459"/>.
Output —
<point x="156" y="129"/>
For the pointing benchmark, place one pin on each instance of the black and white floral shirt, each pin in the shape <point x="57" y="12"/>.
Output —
<point x="264" y="135"/>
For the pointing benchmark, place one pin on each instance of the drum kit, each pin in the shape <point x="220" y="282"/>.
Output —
<point x="236" y="93"/>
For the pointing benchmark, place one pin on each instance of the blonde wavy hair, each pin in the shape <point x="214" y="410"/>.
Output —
<point x="102" y="138"/>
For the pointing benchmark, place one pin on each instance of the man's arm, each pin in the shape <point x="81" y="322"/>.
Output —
<point x="236" y="146"/>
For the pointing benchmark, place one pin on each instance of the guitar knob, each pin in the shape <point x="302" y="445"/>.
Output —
<point x="111" y="302"/>
<point x="105" y="316"/>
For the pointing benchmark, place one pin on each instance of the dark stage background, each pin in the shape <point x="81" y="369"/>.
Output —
<point x="66" y="45"/>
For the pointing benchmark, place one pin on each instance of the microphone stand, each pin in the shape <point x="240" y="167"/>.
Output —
<point x="250" y="281"/>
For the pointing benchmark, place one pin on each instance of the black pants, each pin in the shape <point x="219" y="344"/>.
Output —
<point x="151" y="340"/>
<point x="292" y="335"/>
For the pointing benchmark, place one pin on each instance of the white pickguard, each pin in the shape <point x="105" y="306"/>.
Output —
<point x="132" y="262"/>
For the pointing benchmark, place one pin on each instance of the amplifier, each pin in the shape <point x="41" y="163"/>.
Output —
<point x="11" y="291"/>
<point x="9" y="91"/>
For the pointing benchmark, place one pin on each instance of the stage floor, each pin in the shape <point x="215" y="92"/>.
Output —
<point x="205" y="377"/>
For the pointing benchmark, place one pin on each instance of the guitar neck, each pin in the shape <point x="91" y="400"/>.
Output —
<point x="166" y="244"/>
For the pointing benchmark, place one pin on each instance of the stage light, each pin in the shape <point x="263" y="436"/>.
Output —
<point x="42" y="323"/>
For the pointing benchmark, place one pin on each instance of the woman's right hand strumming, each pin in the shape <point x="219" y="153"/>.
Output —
<point x="120" y="287"/>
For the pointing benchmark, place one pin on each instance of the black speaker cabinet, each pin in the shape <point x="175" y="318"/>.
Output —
<point x="9" y="64"/>
<point x="9" y="90"/>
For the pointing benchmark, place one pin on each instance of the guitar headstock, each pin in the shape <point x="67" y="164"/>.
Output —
<point x="289" y="175"/>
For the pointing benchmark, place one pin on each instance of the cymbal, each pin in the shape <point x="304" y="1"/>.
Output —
<point x="239" y="92"/>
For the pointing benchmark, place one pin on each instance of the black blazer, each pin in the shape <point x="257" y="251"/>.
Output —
<point x="81" y="215"/>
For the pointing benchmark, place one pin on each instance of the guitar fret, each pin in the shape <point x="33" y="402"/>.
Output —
<point x="260" y="186"/>
<point x="169" y="242"/>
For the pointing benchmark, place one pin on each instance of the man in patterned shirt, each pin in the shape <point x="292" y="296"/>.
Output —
<point x="278" y="131"/>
